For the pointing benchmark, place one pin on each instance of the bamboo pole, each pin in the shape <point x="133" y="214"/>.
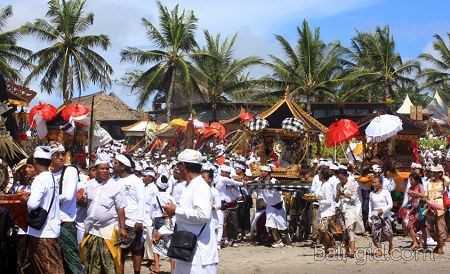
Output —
<point x="91" y="130"/>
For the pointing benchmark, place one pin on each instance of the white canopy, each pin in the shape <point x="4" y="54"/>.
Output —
<point x="136" y="129"/>
<point x="437" y="109"/>
<point x="406" y="106"/>
<point x="383" y="127"/>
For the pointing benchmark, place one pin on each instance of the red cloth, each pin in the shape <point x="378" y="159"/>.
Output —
<point x="415" y="151"/>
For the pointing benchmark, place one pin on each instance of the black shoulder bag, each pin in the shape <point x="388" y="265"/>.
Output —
<point x="37" y="217"/>
<point x="183" y="245"/>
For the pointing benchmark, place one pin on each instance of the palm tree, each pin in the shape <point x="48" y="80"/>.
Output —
<point x="217" y="73"/>
<point x="439" y="75"/>
<point x="377" y="65"/>
<point x="70" y="62"/>
<point x="170" y="64"/>
<point x="11" y="55"/>
<point x="311" y="66"/>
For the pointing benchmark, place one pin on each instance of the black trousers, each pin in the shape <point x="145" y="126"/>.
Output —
<point x="243" y="212"/>
<point x="230" y="224"/>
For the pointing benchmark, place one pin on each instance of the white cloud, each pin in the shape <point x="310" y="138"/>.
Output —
<point x="255" y="20"/>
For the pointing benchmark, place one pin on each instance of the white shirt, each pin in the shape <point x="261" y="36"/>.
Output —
<point x="380" y="200"/>
<point x="335" y="181"/>
<point x="193" y="212"/>
<point x="134" y="191"/>
<point x="327" y="196"/>
<point x="42" y="190"/>
<point x="216" y="203"/>
<point x="388" y="184"/>
<point x="270" y="196"/>
<point x="103" y="202"/>
<point x="150" y="191"/>
<point x="315" y="184"/>
<point x="81" y="211"/>
<point x="177" y="190"/>
<point x="68" y="197"/>
<point x="228" y="189"/>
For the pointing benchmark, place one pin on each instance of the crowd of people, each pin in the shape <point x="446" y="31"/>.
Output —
<point x="138" y="205"/>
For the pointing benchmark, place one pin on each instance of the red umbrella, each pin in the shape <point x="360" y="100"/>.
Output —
<point x="341" y="131"/>
<point x="214" y="129"/>
<point x="74" y="110"/>
<point x="245" y="116"/>
<point x="47" y="111"/>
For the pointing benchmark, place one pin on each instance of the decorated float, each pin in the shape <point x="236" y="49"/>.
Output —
<point x="281" y="135"/>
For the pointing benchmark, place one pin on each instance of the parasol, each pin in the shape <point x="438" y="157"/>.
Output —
<point x="46" y="111"/>
<point x="246" y="116"/>
<point x="178" y="123"/>
<point x="340" y="132"/>
<point x="258" y="124"/>
<point x="383" y="127"/>
<point x="74" y="110"/>
<point x="293" y="125"/>
<point x="214" y="129"/>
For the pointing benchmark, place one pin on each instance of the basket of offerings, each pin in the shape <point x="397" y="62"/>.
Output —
<point x="310" y="197"/>
<point x="17" y="206"/>
<point x="290" y="172"/>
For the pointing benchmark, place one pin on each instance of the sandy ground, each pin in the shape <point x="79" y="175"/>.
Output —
<point x="301" y="258"/>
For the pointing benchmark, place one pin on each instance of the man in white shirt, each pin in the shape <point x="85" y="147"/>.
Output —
<point x="106" y="204"/>
<point x="327" y="211"/>
<point x="229" y="193"/>
<point x="177" y="184"/>
<point x="148" y="178"/>
<point x="322" y="172"/>
<point x="68" y="178"/>
<point x="44" y="251"/>
<point x="194" y="215"/>
<point x="208" y="176"/>
<point x="276" y="219"/>
<point x="134" y="192"/>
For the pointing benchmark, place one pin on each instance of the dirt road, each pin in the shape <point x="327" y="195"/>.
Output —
<point x="304" y="259"/>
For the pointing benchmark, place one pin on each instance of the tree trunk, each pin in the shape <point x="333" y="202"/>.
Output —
<point x="66" y="96"/>
<point x="214" y="106"/>
<point x="308" y="103"/>
<point x="169" y="97"/>
<point x="369" y="96"/>
<point x="387" y="92"/>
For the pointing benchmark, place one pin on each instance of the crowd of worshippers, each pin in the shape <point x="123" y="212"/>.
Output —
<point x="128" y="206"/>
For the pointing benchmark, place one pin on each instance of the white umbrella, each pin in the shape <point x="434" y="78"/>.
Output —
<point x="383" y="127"/>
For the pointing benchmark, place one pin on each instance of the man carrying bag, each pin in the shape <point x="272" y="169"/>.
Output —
<point x="193" y="245"/>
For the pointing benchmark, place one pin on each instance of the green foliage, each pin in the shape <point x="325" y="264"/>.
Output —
<point x="377" y="68"/>
<point x="328" y="152"/>
<point x="12" y="57"/>
<point x="70" y="62"/>
<point x="432" y="143"/>
<point x="218" y="73"/>
<point x="312" y="68"/>
<point x="169" y="62"/>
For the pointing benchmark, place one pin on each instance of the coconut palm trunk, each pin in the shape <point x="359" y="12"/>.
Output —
<point x="170" y="96"/>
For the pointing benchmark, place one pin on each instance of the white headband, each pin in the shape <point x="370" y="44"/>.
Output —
<point x="123" y="159"/>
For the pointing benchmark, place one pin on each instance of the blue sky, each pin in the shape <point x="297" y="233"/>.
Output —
<point x="412" y="22"/>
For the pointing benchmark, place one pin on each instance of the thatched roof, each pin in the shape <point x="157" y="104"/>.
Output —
<point x="285" y="108"/>
<point x="109" y="107"/>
